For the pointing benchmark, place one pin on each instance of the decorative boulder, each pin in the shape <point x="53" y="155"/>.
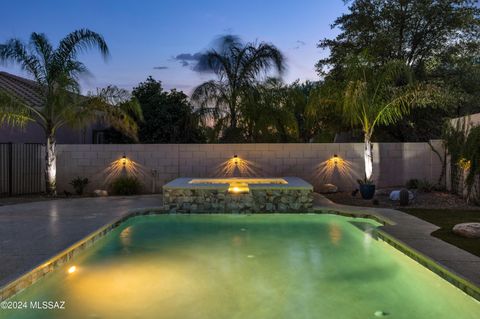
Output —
<point x="469" y="230"/>
<point x="327" y="189"/>
<point x="395" y="195"/>
<point x="100" y="193"/>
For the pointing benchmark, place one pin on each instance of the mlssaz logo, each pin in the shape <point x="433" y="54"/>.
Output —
<point x="47" y="305"/>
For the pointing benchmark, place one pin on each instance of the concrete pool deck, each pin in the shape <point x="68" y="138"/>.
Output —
<point x="32" y="233"/>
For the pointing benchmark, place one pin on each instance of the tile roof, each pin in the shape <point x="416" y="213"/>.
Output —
<point x="25" y="89"/>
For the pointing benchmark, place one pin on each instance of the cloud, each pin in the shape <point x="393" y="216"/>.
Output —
<point x="186" y="59"/>
<point x="188" y="56"/>
<point x="160" y="67"/>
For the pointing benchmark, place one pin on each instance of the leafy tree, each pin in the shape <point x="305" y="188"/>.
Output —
<point x="413" y="31"/>
<point x="313" y="106"/>
<point x="264" y="115"/>
<point x="57" y="71"/>
<point x="169" y="116"/>
<point x="237" y="67"/>
<point x="375" y="96"/>
<point x="299" y="112"/>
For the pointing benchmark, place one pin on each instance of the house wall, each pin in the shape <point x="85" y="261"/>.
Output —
<point x="394" y="163"/>
<point x="33" y="133"/>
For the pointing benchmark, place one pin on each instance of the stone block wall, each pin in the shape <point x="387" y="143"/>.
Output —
<point x="212" y="200"/>
<point x="156" y="164"/>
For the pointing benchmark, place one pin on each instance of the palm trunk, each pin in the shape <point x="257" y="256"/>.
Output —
<point x="51" y="165"/>
<point x="233" y="111"/>
<point x="368" y="156"/>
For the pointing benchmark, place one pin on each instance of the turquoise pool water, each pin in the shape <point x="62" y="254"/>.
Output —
<point x="245" y="266"/>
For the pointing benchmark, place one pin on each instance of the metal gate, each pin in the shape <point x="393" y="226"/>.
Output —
<point x="21" y="169"/>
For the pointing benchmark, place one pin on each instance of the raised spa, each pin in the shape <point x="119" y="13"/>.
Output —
<point x="237" y="195"/>
<point x="266" y="266"/>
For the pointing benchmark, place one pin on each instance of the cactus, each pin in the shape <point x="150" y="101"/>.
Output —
<point x="404" y="197"/>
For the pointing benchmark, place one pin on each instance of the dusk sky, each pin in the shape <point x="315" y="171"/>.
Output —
<point x="146" y="37"/>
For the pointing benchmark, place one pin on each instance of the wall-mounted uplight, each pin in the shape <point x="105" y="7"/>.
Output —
<point x="235" y="159"/>
<point x="124" y="160"/>
<point x="335" y="158"/>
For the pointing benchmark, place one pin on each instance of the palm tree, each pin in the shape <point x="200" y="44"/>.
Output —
<point x="379" y="95"/>
<point x="56" y="72"/>
<point x="237" y="67"/>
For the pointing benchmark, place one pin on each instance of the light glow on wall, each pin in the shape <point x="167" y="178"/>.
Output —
<point x="336" y="164"/>
<point x="122" y="166"/>
<point x="237" y="167"/>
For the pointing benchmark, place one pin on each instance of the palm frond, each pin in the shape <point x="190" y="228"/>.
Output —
<point x="80" y="41"/>
<point x="112" y="106"/>
<point x="13" y="111"/>
<point x="40" y="44"/>
<point x="15" y="51"/>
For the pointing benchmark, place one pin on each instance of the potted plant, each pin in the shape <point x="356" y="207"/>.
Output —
<point x="366" y="187"/>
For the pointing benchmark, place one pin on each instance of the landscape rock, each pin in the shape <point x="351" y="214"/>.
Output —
<point x="100" y="193"/>
<point x="395" y="195"/>
<point x="469" y="230"/>
<point x="327" y="189"/>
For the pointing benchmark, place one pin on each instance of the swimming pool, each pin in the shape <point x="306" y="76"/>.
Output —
<point x="245" y="266"/>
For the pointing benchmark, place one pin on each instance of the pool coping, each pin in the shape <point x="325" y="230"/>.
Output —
<point x="30" y="277"/>
<point x="293" y="183"/>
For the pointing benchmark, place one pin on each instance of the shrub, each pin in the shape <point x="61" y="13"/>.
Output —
<point x="79" y="184"/>
<point x="472" y="157"/>
<point x="425" y="186"/>
<point x="126" y="185"/>
<point x="412" y="183"/>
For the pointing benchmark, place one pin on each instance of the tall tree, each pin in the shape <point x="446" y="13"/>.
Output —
<point x="169" y="116"/>
<point x="237" y="66"/>
<point x="57" y="72"/>
<point x="413" y="31"/>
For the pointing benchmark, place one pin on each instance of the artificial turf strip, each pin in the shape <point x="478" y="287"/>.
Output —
<point x="446" y="219"/>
